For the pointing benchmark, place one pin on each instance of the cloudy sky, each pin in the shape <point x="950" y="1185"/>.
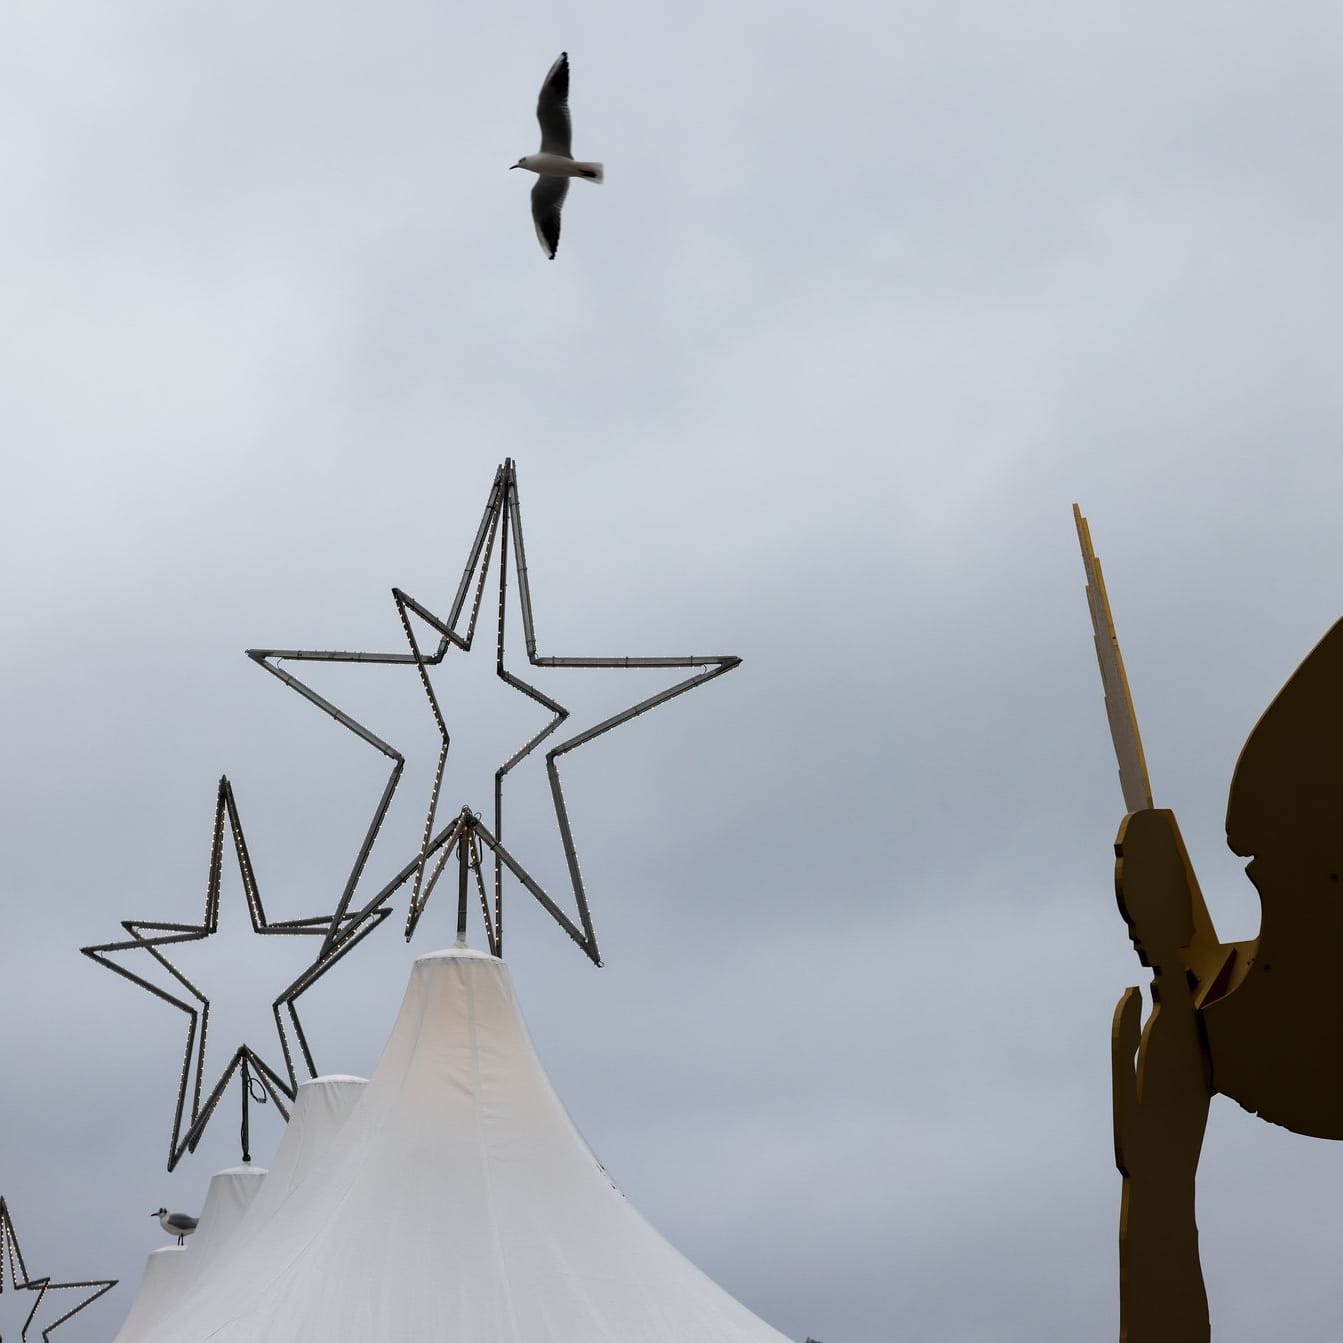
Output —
<point x="872" y="293"/>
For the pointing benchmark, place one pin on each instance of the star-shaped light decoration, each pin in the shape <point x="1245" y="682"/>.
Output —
<point x="258" y="1079"/>
<point x="501" y="523"/>
<point x="14" y="1277"/>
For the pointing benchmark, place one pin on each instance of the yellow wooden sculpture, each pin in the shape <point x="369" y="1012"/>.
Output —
<point x="1260" y="1021"/>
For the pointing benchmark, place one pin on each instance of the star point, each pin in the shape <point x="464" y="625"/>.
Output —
<point x="14" y="1272"/>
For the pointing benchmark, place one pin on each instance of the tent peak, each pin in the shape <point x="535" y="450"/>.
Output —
<point x="456" y="954"/>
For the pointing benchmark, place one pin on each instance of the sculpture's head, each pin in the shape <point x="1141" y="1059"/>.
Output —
<point x="1156" y="888"/>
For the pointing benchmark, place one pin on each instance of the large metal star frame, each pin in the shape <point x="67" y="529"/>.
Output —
<point x="257" y="1078"/>
<point x="14" y="1272"/>
<point x="501" y="523"/>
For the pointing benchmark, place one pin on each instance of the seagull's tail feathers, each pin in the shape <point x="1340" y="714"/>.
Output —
<point x="591" y="172"/>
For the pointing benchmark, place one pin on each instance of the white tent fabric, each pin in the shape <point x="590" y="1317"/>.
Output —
<point x="157" y="1291"/>
<point x="227" y="1200"/>
<point x="459" y="1205"/>
<point x="320" y="1110"/>
<point x="239" y="1201"/>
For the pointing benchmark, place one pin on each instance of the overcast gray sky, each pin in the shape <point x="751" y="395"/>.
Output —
<point x="872" y="293"/>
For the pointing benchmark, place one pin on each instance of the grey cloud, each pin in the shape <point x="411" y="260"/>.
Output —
<point x="870" y="297"/>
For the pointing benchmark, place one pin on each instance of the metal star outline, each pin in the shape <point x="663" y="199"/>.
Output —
<point x="150" y="937"/>
<point x="13" y="1270"/>
<point x="500" y="523"/>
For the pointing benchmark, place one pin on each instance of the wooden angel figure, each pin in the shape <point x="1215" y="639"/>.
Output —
<point x="1260" y="1021"/>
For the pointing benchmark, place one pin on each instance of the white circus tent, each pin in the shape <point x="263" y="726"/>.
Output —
<point x="457" y="1204"/>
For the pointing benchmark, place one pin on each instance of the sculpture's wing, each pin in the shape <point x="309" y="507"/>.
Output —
<point x="1276" y="1031"/>
<point x="1287" y="791"/>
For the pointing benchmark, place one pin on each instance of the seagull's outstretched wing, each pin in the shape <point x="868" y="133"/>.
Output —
<point x="552" y="110"/>
<point x="547" y="200"/>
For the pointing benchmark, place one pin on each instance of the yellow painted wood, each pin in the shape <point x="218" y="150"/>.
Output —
<point x="1118" y="701"/>
<point x="1205" y="956"/>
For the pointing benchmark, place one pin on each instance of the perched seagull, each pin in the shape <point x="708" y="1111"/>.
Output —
<point x="175" y="1223"/>
<point x="554" y="165"/>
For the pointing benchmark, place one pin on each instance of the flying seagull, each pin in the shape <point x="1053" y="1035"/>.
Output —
<point x="554" y="165"/>
<point x="175" y="1223"/>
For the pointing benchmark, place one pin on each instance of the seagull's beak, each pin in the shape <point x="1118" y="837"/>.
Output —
<point x="512" y="165"/>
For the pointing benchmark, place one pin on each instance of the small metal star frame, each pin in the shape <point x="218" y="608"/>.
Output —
<point x="14" y="1277"/>
<point x="501" y="523"/>
<point x="258" y="1080"/>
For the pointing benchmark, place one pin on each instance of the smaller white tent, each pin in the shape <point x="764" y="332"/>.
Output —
<point x="156" y="1293"/>
<point x="171" y="1271"/>
<point x="227" y="1200"/>
<point x="238" y="1201"/>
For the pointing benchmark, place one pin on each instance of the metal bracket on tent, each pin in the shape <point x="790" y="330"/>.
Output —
<point x="501" y="522"/>
<point x="13" y="1268"/>
<point x="245" y="1061"/>
<point x="464" y="838"/>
